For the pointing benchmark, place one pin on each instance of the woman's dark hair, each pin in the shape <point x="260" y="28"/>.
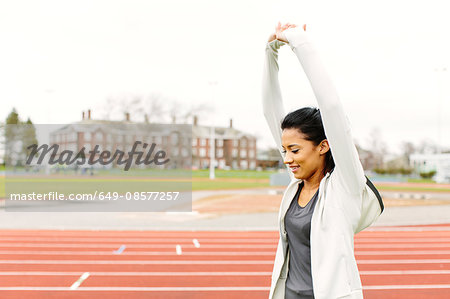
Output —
<point x="309" y="122"/>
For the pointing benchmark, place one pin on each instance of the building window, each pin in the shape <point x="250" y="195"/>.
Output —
<point x="243" y="154"/>
<point x="235" y="143"/>
<point x="174" y="138"/>
<point x="87" y="136"/>
<point x="203" y="141"/>
<point x="98" y="137"/>
<point x="219" y="153"/>
<point x="194" y="141"/>
<point x="243" y="142"/>
<point x="234" y="153"/>
<point x="244" y="164"/>
<point x="202" y="152"/>
<point x="219" y="142"/>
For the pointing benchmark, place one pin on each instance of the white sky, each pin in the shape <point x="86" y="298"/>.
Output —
<point x="59" y="58"/>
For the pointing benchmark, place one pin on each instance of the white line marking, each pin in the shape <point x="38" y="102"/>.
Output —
<point x="118" y="251"/>
<point x="403" y="229"/>
<point x="143" y="240"/>
<point x="422" y="261"/>
<point x="196" y="243"/>
<point x="177" y="248"/>
<point x="439" y="245"/>
<point x="134" y="289"/>
<point x="179" y="251"/>
<point x="378" y="240"/>
<point x="138" y="273"/>
<point x="246" y="273"/>
<point x="404" y="272"/>
<point x="216" y="289"/>
<point x="400" y="287"/>
<point x="400" y="252"/>
<point x="136" y="262"/>
<point x="113" y="246"/>
<point x="77" y="283"/>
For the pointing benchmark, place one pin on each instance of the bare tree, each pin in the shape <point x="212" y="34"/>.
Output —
<point x="378" y="147"/>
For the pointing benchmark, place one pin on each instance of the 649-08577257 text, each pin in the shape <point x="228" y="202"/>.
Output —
<point x="101" y="196"/>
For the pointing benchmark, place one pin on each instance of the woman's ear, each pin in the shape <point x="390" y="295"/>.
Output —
<point x="324" y="147"/>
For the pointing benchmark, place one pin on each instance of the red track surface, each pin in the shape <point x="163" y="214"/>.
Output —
<point x="394" y="262"/>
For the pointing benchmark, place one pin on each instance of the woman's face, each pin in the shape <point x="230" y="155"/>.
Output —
<point x="303" y="157"/>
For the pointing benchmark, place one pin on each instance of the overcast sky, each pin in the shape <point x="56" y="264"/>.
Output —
<point x="386" y="58"/>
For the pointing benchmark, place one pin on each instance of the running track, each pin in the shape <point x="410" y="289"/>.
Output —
<point x="395" y="262"/>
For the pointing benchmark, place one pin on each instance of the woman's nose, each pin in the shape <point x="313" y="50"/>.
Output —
<point x="287" y="158"/>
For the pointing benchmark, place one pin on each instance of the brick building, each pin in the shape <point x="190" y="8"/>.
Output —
<point x="121" y="135"/>
<point x="233" y="148"/>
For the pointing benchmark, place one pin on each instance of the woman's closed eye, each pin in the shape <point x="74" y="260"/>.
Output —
<point x="294" y="151"/>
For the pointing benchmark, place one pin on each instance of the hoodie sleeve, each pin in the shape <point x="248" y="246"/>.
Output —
<point x="271" y="94"/>
<point x="348" y="167"/>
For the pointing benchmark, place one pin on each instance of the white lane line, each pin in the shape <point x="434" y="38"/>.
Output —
<point x="421" y="261"/>
<point x="178" y="251"/>
<point x="224" y="246"/>
<point x="36" y="273"/>
<point x="136" y="262"/>
<point x="80" y="280"/>
<point x="146" y="240"/>
<point x="400" y="252"/>
<point x="118" y="251"/>
<point x="246" y="273"/>
<point x="404" y="272"/>
<point x="439" y="245"/>
<point x="413" y="229"/>
<point x="378" y="240"/>
<point x="365" y="240"/>
<point x="113" y="246"/>
<point x="137" y="289"/>
<point x="196" y="243"/>
<point x="406" y="287"/>
<point x="216" y="289"/>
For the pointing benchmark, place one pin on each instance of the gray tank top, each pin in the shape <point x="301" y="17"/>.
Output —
<point x="298" y="227"/>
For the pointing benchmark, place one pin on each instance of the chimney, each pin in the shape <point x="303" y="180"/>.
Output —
<point x="127" y="116"/>
<point x="89" y="114"/>
<point x="195" y="120"/>
<point x="231" y="123"/>
<point x="146" y="118"/>
<point x="174" y="119"/>
<point x="82" y="116"/>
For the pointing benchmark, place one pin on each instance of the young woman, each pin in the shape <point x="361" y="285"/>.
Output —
<point x="329" y="199"/>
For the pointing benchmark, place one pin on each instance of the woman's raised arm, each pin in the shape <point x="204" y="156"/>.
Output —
<point x="337" y="127"/>
<point x="271" y="94"/>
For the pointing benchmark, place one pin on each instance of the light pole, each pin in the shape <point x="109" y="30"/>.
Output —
<point x="212" y="143"/>
<point x="439" y="71"/>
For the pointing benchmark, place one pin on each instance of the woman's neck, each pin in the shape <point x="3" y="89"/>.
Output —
<point x="312" y="183"/>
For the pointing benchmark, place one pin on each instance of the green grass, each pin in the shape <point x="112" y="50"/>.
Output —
<point x="236" y="174"/>
<point x="428" y="181"/>
<point x="411" y="188"/>
<point x="218" y="185"/>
